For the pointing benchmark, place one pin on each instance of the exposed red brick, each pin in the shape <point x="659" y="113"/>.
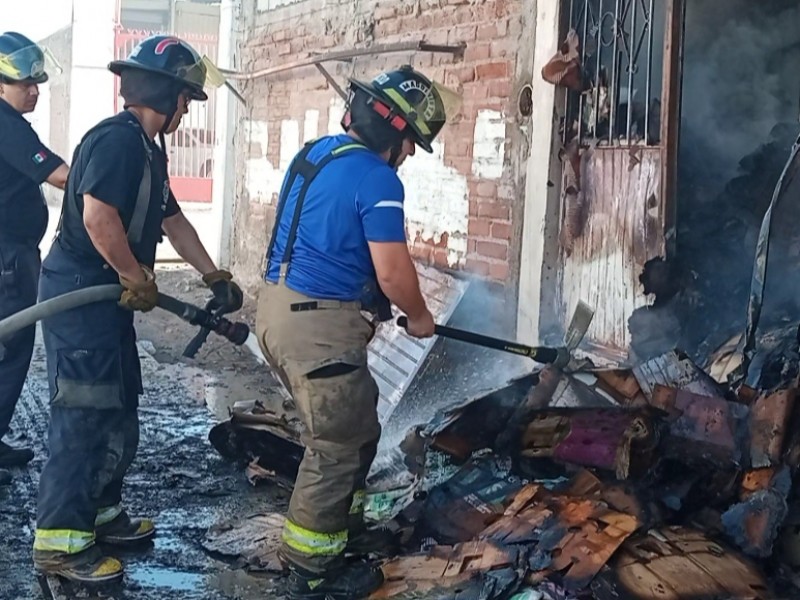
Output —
<point x="465" y="74"/>
<point x="385" y="11"/>
<point x="477" y="266"/>
<point x="460" y="149"/>
<point x="462" y="165"/>
<point x="283" y="49"/>
<point x="495" y="70"/>
<point x="500" y="88"/>
<point x="404" y="8"/>
<point x="493" y="250"/>
<point x="493" y="210"/>
<point x="502" y="47"/>
<point x="440" y="257"/>
<point x="486" y="189"/>
<point x="505" y="192"/>
<point x="476" y="51"/>
<point x="328" y="41"/>
<point x="461" y="33"/>
<point x="280" y="35"/>
<point x="499" y="271"/>
<point x="475" y="90"/>
<point x="472" y="246"/>
<point x="501" y="8"/>
<point x="502" y="27"/>
<point x="486" y="32"/>
<point x="436" y="36"/>
<point x="501" y="231"/>
<point x="479" y="227"/>
<point x="420" y="251"/>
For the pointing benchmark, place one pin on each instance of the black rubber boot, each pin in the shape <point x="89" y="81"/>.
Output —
<point x="353" y="582"/>
<point x="124" y="531"/>
<point x="5" y="477"/>
<point x="377" y="541"/>
<point x="90" y="566"/>
<point x="14" y="457"/>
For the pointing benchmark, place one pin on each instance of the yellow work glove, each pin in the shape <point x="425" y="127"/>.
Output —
<point x="141" y="296"/>
<point x="227" y="295"/>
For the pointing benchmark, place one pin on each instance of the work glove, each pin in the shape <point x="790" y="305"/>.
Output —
<point x="141" y="296"/>
<point x="227" y="295"/>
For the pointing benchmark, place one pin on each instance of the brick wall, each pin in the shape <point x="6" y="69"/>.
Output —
<point x="463" y="200"/>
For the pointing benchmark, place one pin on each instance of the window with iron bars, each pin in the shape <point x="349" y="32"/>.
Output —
<point x="620" y="46"/>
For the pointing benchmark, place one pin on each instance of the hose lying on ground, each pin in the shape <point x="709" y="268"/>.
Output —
<point x="235" y="332"/>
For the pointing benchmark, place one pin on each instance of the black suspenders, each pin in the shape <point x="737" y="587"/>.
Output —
<point x="301" y="166"/>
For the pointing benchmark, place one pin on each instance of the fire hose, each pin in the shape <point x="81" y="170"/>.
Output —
<point x="207" y="319"/>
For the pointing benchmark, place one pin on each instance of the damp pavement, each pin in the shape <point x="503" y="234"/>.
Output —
<point x="177" y="479"/>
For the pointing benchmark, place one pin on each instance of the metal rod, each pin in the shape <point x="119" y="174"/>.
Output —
<point x="418" y="46"/>
<point x="597" y="69"/>
<point x="631" y="66"/>
<point x="649" y="92"/>
<point x="614" y="82"/>
<point x="331" y="81"/>
<point x="582" y="97"/>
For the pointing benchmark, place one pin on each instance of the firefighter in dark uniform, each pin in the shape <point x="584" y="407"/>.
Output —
<point x="25" y="163"/>
<point x="117" y="204"/>
<point x="338" y="245"/>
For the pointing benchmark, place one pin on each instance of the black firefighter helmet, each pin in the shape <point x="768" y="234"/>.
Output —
<point x="408" y="101"/>
<point x="169" y="56"/>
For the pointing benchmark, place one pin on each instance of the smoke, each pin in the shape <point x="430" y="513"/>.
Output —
<point x="741" y="86"/>
<point x="741" y="77"/>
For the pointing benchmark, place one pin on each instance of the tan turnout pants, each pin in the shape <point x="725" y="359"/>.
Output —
<point x="322" y="354"/>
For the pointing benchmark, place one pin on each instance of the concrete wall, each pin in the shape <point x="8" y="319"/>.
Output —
<point x="465" y="201"/>
<point x="58" y="88"/>
<point x="92" y="84"/>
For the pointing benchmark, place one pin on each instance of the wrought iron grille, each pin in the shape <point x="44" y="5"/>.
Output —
<point x="621" y="53"/>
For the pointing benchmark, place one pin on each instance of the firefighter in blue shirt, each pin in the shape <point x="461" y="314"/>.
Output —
<point x="339" y="245"/>
<point x="117" y="204"/>
<point x="25" y="163"/>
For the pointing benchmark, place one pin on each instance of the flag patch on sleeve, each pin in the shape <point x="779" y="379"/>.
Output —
<point x="39" y="157"/>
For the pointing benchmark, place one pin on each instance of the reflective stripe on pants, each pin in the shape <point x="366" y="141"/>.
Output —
<point x="313" y="543"/>
<point x="68" y="541"/>
<point x="323" y="356"/>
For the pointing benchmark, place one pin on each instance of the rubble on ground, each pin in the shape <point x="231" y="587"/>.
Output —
<point x="651" y="482"/>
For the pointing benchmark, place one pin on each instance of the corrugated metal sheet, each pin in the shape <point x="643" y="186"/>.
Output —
<point x="394" y="357"/>
<point x="622" y="227"/>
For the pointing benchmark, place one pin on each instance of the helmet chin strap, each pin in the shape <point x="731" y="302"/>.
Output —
<point x="394" y="154"/>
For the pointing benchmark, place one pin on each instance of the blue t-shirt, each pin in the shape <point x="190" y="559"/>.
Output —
<point x="355" y="199"/>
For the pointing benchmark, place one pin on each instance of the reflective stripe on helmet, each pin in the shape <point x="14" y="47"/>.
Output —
<point x="404" y="105"/>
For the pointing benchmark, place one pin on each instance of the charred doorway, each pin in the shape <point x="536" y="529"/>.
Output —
<point x="738" y="122"/>
<point x="618" y="88"/>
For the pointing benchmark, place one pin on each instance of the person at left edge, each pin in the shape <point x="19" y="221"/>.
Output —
<point x="117" y="204"/>
<point x="25" y="163"/>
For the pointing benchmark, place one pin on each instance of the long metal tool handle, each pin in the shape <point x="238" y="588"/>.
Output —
<point x="539" y="354"/>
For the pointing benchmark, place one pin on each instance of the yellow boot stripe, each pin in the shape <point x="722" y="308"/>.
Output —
<point x="313" y="543"/>
<point x="69" y="541"/>
<point x="109" y="566"/>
